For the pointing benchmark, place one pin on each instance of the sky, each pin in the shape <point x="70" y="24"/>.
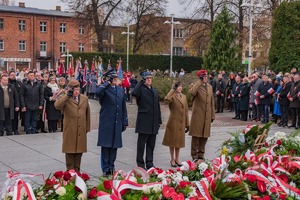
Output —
<point x="173" y="7"/>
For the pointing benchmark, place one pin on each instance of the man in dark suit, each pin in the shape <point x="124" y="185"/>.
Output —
<point x="9" y="103"/>
<point x="284" y="101"/>
<point x="148" y="119"/>
<point x="18" y="85"/>
<point x="112" y="121"/>
<point x="294" y="101"/>
<point x="220" y="92"/>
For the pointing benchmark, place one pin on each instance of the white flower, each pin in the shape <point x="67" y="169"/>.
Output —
<point x="242" y="138"/>
<point x="61" y="191"/>
<point x="146" y="189"/>
<point x="297" y="138"/>
<point x="202" y="166"/>
<point x="40" y="193"/>
<point x="161" y="175"/>
<point x="292" y="184"/>
<point x="133" y="179"/>
<point x="177" y="179"/>
<point x="193" y="192"/>
<point x="157" y="189"/>
<point x="280" y="135"/>
<point x="232" y="138"/>
<point x="81" y="197"/>
<point x="185" y="178"/>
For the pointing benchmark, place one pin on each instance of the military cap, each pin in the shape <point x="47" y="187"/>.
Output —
<point x="111" y="73"/>
<point x="201" y="72"/>
<point x="146" y="74"/>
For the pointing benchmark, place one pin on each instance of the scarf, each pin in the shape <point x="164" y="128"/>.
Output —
<point x="54" y="87"/>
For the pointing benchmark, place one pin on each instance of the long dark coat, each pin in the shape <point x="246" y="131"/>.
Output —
<point x="295" y="88"/>
<point x="203" y="110"/>
<point x="13" y="102"/>
<point x="32" y="96"/>
<point x="178" y="120"/>
<point x="245" y="97"/>
<point x="51" y="112"/>
<point x="77" y="122"/>
<point x="284" y="90"/>
<point x="149" y="116"/>
<point x="113" y="115"/>
<point x="263" y="90"/>
<point x="235" y="91"/>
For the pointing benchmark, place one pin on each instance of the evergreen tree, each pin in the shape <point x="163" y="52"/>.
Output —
<point x="223" y="47"/>
<point x="285" y="41"/>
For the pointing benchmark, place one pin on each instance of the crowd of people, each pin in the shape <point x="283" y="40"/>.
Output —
<point x="258" y="96"/>
<point x="39" y="96"/>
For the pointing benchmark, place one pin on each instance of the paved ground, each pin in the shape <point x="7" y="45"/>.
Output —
<point x="41" y="153"/>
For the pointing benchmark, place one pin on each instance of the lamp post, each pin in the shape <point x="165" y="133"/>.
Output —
<point x="171" y="42"/>
<point x="251" y="7"/>
<point x="127" y="33"/>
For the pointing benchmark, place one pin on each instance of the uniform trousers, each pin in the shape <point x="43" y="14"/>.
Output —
<point x="198" y="147"/>
<point x="147" y="140"/>
<point x="73" y="161"/>
<point x="108" y="158"/>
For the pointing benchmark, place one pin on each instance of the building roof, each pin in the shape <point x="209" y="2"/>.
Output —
<point x="35" y="11"/>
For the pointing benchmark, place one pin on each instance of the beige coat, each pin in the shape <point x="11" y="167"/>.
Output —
<point x="77" y="121"/>
<point x="178" y="120"/>
<point x="203" y="111"/>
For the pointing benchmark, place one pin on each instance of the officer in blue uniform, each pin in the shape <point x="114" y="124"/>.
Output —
<point x="113" y="120"/>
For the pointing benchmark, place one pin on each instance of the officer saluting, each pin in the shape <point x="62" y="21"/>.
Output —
<point x="113" y="120"/>
<point x="148" y="119"/>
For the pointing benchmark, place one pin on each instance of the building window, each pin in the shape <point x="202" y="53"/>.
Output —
<point x="81" y="30"/>
<point x="62" y="47"/>
<point x="62" y="27"/>
<point x="81" y="47"/>
<point x="178" y="33"/>
<point x="43" y="46"/>
<point x="1" y="45"/>
<point x="22" y="25"/>
<point x="43" y="26"/>
<point x="1" y="23"/>
<point x="178" y="51"/>
<point x="22" y="45"/>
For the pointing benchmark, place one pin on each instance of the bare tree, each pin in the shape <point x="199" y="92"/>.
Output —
<point x="145" y="14"/>
<point x="96" y="11"/>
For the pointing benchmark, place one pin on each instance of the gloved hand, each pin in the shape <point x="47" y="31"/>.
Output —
<point x="175" y="87"/>
<point x="212" y="120"/>
<point x="124" y="128"/>
<point x="70" y="92"/>
<point x="187" y="129"/>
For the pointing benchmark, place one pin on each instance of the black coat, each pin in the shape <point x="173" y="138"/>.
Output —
<point x="221" y="86"/>
<point x="235" y="92"/>
<point x="149" y="116"/>
<point x="245" y="97"/>
<point x="51" y="112"/>
<point x="213" y="84"/>
<point x="283" y="92"/>
<point x="295" y="89"/>
<point x="13" y="102"/>
<point x="32" y="96"/>
<point x="263" y="90"/>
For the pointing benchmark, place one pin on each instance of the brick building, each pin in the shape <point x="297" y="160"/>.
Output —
<point x="37" y="38"/>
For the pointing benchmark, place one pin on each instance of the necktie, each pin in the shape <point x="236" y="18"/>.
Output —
<point x="76" y="99"/>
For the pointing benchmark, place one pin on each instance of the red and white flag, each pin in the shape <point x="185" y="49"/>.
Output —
<point x="256" y="101"/>
<point x="218" y="92"/>
<point x="84" y="75"/>
<point x="256" y="93"/>
<point x="298" y="95"/>
<point x="289" y="95"/>
<point x="271" y="90"/>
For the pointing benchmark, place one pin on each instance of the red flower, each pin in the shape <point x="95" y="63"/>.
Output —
<point x="207" y="173"/>
<point x="293" y="151"/>
<point x="144" y="198"/>
<point x="107" y="184"/>
<point x="266" y="144"/>
<point x="93" y="193"/>
<point x="267" y="198"/>
<point x="183" y="184"/>
<point x="85" y="177"/>
<point x="264" y="172"/>
<point x="168" y="191"/>
<point x="283" y="196"/>
<point x="123" y="192"/>
<point x="77" y="189"/>
<point x="261" y="186"/>
<point x="283" y="177"/>
<point x="279" y="142"/>
<point x="67" y="176"/>
<point x="58" y="174"/>
<point x="176" y="196"/>
<point x="251" y="178"/>
<point x="50" y="183"/>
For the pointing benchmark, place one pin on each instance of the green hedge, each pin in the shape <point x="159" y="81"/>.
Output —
<point x="139" y="62"/>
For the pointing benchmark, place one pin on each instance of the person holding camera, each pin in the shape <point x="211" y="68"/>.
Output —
<point x="178" y="123"/>
<point x="112" y="121"/>
<point x="148" y="119"/>
<point x="203" y="114"/>
<point x="77" y="121"/>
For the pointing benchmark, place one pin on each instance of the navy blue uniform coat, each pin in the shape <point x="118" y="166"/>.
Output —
<point x="149" y="116"/>
<point x="113" y="115"/>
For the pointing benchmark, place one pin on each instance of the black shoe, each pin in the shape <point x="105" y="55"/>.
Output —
<point x="43" y="131"/>
<point x="234" y="117"/>
<point x="173" y="164"/>
<point x="16" y="133"/>
<point x="27" y="133"/>
<point x="178" y="164"/>
<point x="36" y="131"/>
<point x="221" y="111"/>
<point x="217" y="111"/>
<point x="238" y="118"/>
<point x="106" y="174"/>
<point x="280" y="124"/>
<point x="293" y="125"/>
